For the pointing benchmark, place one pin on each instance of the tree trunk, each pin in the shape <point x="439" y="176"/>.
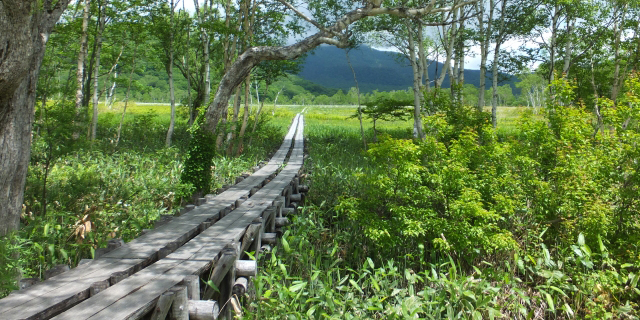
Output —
<point x="192" y="115"/>
<point x="494" y="86"/>
<point x="449" y="42"/>
<point x="496" y="62"/>
<point x="96" y="71"/>
<point x="596" y="97"/>
<point x="461" y="56"/>
<point x="172" y="95"/>
<point x="422" y="57"/>
<point x="273" y="112"/>
<point x="248" y="35"/>
<point x="110" y="90"/>
<point x="617" y="33"/>
<point x="80" y="112"/>
<point x="484" y="49"/>
<point x="568" y="47"/>
<point x="25" y="29"/>
<point x="417" y="103"/>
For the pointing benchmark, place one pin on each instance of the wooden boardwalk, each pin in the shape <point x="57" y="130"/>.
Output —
<point x="134" y="276"/>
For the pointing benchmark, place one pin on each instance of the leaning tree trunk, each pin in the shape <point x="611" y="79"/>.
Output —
<point x="568" y="47"/>
<point x="451" y="39"/>
<point x="617" y="81"/>
<point x="25" y="30"/>
<point x="422" y="57"/>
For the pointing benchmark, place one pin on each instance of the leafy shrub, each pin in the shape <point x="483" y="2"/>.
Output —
<point x="507" y="209"/>
<point x="198" y="163"/>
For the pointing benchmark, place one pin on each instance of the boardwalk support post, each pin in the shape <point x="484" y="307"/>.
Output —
<point x="162" y="306"/>
<point x="203" y="310"/>
<point x="193" y="287"/>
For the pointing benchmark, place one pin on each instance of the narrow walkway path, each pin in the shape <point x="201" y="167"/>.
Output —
<point x="128" y="281"/>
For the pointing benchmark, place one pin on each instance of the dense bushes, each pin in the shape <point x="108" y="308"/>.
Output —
<point x="537" y="222"/>
<point x="463" y="191"/>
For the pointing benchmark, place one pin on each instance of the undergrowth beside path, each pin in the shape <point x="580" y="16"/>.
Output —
<point x="536" y="222"/>
<point x="80" y="194"/>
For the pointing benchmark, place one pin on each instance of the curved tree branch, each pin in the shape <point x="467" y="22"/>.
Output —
<point x="253" y="56"/>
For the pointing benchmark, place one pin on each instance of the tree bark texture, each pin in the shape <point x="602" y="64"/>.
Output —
<point x="568" y="47"/>
<point x="25" y="26"/>
<point x="553" y="43"/>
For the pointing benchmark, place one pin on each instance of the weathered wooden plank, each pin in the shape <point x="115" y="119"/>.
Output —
<point x="135" y="292"/>
<point x="150" y="243"/>
<point x="61" y="292"/>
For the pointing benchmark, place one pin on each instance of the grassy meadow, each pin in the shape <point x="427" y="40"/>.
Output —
<point x="453" y="227"/>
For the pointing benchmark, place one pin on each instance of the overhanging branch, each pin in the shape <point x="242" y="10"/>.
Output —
<point x="253" y="56"/>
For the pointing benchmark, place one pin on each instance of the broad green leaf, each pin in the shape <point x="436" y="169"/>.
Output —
<point x="285" y="245"/>
<point x="298" y="286"/>
<point x="550" y="302"/>
<point x="355" y="285"/>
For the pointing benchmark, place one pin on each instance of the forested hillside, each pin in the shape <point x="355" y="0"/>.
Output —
<point x="375" y="70"/>
<point x="325" y="70"/>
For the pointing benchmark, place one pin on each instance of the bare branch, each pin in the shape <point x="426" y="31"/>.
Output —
<point x="445" y="23"/>
<point x="305" y="18"/>
<point x="331" y="41"/>
<point x="416" y="12"/>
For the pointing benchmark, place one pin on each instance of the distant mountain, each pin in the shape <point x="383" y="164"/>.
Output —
<point x="375" y="69"/>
